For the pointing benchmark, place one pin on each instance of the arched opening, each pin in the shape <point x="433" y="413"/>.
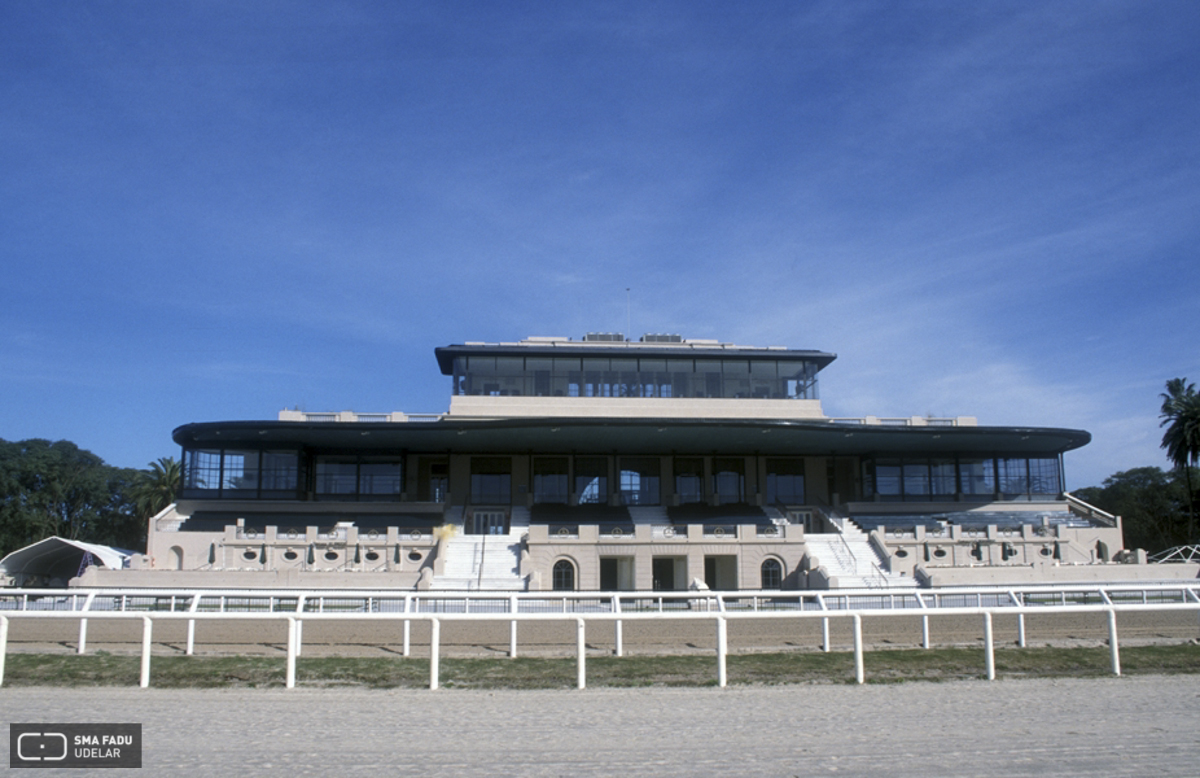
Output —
<point x="564" y="576"/>
<point x="176" y="560"/>
<point x="772" y="574"/>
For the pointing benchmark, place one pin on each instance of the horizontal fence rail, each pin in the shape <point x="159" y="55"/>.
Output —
<point x="613" y="608"/>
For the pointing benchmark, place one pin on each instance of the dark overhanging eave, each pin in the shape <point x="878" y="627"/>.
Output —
<point x="632" y="436"/>
<point x="571" y="349"/>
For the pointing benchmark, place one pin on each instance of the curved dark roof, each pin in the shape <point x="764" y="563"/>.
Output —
<point x="446" y="354"/>
<point x="631" y="436"/>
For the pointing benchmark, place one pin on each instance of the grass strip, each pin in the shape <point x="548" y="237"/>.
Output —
<point x="890" y="666"/>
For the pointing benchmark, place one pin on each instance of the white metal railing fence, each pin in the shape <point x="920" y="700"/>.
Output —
<point x="615" y="608"/>
<point x="367" y="601"/>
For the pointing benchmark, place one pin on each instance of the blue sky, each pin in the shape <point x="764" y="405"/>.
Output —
<point x="215" y="210"/>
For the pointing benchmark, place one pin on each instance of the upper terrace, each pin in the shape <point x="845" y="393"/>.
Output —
<point x="662" y="376"/>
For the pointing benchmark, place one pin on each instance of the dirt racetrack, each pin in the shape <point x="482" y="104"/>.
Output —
<point x="1036" y="727"/>
<point x="557" y="638"/>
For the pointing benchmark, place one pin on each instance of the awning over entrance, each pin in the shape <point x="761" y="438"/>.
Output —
<point x="59" y="560"/>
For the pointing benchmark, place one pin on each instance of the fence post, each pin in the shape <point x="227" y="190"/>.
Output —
<point x="512" y="627"/>
<point x="989" y="652"/>
<point x="407" y="635"/>
<point x="1021" y="630"/>
<point x="3" y="645"/>
<point x="859" y="672"/>
<point x="191" y="636"/>
<point x="825" y="635"/>
<point x="618" y="636"/>
<point x="291" y="652"/>
<point x="435" y="635"/>
<point x="146" y="631"/>
<point x="1113" y="647"/>
<point x="82" y="637"/>
<point x="722" y="650"/>
<point x="580" y="647"/>
<point x="925" y="631"/>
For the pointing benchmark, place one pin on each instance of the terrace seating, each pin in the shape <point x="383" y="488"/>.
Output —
<point x="557" y="513"/>
<point x="734" y="513"/>
<point x="904" y="521"/>
<point x="972" y="520"/>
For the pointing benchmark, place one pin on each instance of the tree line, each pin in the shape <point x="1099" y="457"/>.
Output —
<point x="56" y="488"/>
<point x="1158" y="507"/>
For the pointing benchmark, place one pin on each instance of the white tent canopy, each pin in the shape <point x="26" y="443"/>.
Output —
<point x="59" y="558"/>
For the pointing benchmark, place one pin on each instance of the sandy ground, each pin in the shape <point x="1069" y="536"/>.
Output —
<point x="558" y="638"/>
<point x="1112" y="727"/>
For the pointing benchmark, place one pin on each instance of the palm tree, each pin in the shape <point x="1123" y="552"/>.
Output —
<point x="1181" y="416"/>
<point x="157" y="487"/>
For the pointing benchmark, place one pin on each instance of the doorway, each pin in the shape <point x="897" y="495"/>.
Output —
<point x="720" y="572"/>
<point x="616" y="574"/>
<point x="488" y="523"/>
<point x="669" y="573"/>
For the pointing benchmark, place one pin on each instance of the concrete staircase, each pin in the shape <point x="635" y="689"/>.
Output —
<point x="648" y="514"/>
<point x="851" y="561"/>
<point x="485" y="562"/>
<point x="518" y="522"/>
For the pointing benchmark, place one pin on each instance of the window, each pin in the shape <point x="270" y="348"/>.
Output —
<point x="735" y="375"/>
<point x="916" y="480"/>
<point x="707" y="382"/>
<point x="1043" y="477"/>
<point x="491" y="480"/>
<point x="764" y="380"/>
<point x="772" y="574"/>
<point x="564" y="576"/>
<point x="689" y="480"/>
<point x="591" y="480"/>
<point x="280" y="474"/>
<point x="379" y="479"/>
<point x="239" y="473"/>
<point x="1012" y="475"/>
<point x="352" y="478"/>
<point x="729" y="480"/>
<point x="798" y="381"/>
<point x="337" y="477"/>
<point x="202" y="470"/>
<point x="785" y="481"/>
<point x="550" y="480"/>
<point x="887" y="479"/>
<point x="639" y="480"/>
<point x="977" y="476"/>
<point x="942" y="482"/>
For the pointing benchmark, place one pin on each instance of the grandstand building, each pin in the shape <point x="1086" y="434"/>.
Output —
<point x="609" y="464"/>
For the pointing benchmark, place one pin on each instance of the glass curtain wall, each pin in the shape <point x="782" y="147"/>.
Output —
<point x="516" y="376"/>
<point x="243" y="474"/>
<point x="365" y="479"/>
<point x="975" y="478"/>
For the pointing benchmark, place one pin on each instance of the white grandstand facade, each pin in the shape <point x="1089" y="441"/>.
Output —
<point x="606" y="464"/>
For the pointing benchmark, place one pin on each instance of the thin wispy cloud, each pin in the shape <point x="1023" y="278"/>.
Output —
<point x="214" y="213"/>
